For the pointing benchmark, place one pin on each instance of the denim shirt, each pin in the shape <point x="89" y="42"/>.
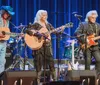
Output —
<point x="3" y="25"/>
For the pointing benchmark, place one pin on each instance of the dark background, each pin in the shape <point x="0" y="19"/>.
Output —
<point x="59" y="13"/>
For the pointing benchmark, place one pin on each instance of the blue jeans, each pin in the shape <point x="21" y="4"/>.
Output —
<point x="2" y="56"/>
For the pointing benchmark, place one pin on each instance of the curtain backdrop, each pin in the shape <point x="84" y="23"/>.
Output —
<point x="59" y="13"/>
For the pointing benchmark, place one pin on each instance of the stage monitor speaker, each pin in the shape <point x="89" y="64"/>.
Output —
<point x="63" y="83"/>
<point x="17" y="77"/>
<point x="82" y="75"/>
<point x="72" y="75"/>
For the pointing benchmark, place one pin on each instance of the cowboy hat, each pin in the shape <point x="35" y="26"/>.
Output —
<point x="8" y="9"/>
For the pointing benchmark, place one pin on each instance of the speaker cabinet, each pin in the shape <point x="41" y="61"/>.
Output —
<point x="88" y="76"/>
<point x="63" y="83"/>
<point x="18" y="78"/>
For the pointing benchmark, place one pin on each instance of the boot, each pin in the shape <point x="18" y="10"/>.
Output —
<point x="53" y="76"/>
<point x="38" y="77"/>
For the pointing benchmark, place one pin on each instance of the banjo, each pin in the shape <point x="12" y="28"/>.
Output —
<point x="36" y="43"/>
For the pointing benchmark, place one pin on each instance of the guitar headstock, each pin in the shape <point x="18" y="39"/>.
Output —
<point x="68" y="25"/>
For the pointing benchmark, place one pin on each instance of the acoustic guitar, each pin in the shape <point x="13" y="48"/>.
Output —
<point x="90" y="41"/>
<point x="35" y="43"/>
<point x="6" y="31"/>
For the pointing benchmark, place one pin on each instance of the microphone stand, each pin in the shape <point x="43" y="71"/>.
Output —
<point x="85" y="50"/>
<point x="86" y="67"/>
<point x="59" y="37"/>
<point x="44" y="60"/>
<point x="27" y="64"/>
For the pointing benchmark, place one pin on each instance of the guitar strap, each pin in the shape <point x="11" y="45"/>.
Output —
<point x="94" y="28"/>
<point x="48" y="27"/>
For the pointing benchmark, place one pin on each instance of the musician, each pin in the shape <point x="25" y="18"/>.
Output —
<point x="40" y="22"/>
<point x="5" y="15"/>
<point x="43" y="55"/>
<point x="89" y="27"/>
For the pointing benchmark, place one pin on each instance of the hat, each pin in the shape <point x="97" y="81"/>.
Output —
<point x="8" y="9"/>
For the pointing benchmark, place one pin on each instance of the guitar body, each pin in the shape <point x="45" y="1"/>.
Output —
<point x="5" y="29"/>
<point x="33" y="42"/>
<point x="90" y="42"/>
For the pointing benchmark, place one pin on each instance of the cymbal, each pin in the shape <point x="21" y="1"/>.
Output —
<point x="70" y="41"/>
<point x="20" y="26"/>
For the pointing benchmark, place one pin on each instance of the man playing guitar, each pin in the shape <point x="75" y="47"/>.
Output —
<point x="91" y="29"/>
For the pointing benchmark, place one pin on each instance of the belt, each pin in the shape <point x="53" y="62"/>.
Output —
<point x="2" y="41"/>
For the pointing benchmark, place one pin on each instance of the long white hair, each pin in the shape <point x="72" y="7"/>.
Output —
<point x="90" y="13"/>
<point x="39" y="15"/>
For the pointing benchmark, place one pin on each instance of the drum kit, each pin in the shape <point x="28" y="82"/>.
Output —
<point x="68" y="50"/>
<point x="15" y="47"/>
<point x="73" y="54"/>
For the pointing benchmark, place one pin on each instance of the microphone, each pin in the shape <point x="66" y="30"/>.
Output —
<point x="81" y="35"/>
<point x="78" y="16"/>
<point x="74" y="12"/>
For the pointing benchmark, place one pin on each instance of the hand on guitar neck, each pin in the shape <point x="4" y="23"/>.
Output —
<point x="61" y="29"/>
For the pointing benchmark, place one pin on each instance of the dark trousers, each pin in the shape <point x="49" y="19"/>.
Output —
<point x="44" y="58"/>
<point x="96" y="54"/>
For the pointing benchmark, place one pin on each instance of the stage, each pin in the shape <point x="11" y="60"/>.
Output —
<point x="72" y="77"/>
<point x="69" y="61"/>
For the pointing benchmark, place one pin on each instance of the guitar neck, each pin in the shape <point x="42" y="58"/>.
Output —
<point x="54" y="30"/>
<point x="96" y="38"/>
<point x="6" y="33"/>
<point x="60" y="28"/>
